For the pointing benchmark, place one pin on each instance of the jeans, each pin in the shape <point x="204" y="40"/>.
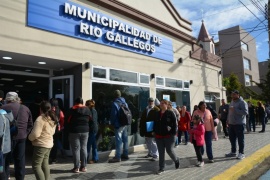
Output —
<point x="78" y="143"/>
<point x="224" y="126"/>
<point x="237" y="132"/>
<point x="180" y="134"/>
<point x="263" y="123"/>
<point x="208" y="144"/>
<point x="6" y="159"/>
<point x="252" y="122"/>
<point x="92" y="144"/>
<point x="151" y="146"/>
<point x="57" y="144"/>
<point x="40" y="163"/>
<point x="121" y="137"/>
<point x="19" y="158"/>
<point x="168" y="144"/>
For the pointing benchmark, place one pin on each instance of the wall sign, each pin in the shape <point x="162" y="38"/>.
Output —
<point x="71" y="19"/>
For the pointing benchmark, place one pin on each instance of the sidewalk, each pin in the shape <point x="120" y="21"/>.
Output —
<point x="140" y="168"/>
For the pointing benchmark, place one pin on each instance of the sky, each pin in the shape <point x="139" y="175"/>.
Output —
<point x="221" y="14"/>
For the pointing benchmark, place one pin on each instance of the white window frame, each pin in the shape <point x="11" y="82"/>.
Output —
<point x="108" y="81"/>
<point x="248" y="83"/>
<point x="249" y="63"/>
<point x="243" y="44"/>
<point x="158" y="85"/>
<point x="174" y="79"/>
<point x="139" y="79"/>
<point x="100" y="79"/>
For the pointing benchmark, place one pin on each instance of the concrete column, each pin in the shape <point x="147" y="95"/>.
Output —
<point x="86" y="85"/>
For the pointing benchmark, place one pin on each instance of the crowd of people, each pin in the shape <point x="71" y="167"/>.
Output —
<point x="161" y="124"/>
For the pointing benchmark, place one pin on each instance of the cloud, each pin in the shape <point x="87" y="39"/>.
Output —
<point x="217" y="15"/>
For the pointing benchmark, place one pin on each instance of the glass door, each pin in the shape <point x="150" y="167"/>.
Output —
<point x="61" y="87"/>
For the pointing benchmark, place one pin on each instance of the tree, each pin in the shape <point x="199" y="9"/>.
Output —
<point x="264" y="85"/>
<point x="232" y="83"/>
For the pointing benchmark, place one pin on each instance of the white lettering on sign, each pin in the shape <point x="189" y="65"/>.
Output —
<point x="129" y="36"/>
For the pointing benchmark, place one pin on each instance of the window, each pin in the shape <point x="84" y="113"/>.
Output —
<point x="173" y="83"/>
<point x="186" y="85"/>
<point x="248" y="80"/>
<point x="99" y="73"/>
<point x="244" y="46"/>
<point x="123" y="76"/>
<point x="144" y="79"/>
<point x="247" y="64"/>
<point x="160" y="81"/>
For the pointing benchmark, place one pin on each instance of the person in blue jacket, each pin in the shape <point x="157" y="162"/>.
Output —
<point x="121" y="136"/>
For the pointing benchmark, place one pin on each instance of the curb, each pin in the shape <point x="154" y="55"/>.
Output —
<point x="244" y="166"/>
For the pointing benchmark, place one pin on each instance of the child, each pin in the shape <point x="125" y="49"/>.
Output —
<point x="197" y="138"/>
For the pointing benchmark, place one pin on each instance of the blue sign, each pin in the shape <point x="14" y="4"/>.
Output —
<point x="71" y="19"/>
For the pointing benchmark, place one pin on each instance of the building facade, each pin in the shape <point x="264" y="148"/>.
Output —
<point x="91" y="48"/>
<point x="238" y="51"/>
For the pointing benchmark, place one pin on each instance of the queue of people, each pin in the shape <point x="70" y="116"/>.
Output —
<point x="161" y="125"/>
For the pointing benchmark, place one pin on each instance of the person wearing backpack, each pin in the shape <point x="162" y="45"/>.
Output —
<point x="120" y="127"/>
<point x="24" y="125"/>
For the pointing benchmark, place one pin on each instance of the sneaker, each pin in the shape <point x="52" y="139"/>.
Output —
<point x="160" y="171"/>
<point x="176" y="146"/>
<point x="75" y="170"/>
<point x="231" y="154"/>
<point x="186" y="143"/>
<point x="200" y="164"/>
<point x="177" y="163"/>
<point x="148" y="156"/>
<point x="211" y="161"/>
<point x="197" y="164"/>
<point x="83" y="169"/>
<point x="114" y="160"/>
<point x="240" y="156"/>
<point x="154" y="159"/>
<point x="124" y="157"/>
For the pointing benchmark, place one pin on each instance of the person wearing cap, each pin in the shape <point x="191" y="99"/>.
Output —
<point x="238" y="110"/>
<point x="24" y="124"/>
<point x="149" y="115"/>
<point x="121" y="136"/>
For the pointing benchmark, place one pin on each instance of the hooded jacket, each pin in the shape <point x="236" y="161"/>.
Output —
<point x="147" y="115"/>
<point x="78" y="120"/>
<point x="114" y="118"/>
<point x="43" y="131"/>
<point x="5" y="119"/>
<point x="237" y="116"/>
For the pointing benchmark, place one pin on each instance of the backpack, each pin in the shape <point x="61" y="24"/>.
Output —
<point x="125" y="116"/>
<point x="13" y="125"/>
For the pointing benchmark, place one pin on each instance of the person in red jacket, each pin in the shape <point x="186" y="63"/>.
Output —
<point x="197" y="138"/>
<point x="184" y="124"/>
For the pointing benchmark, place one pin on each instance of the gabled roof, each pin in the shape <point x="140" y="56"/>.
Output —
<point x="204" y="35"/>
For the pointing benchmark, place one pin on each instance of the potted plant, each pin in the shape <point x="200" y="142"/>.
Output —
<point x="106" y="142"/>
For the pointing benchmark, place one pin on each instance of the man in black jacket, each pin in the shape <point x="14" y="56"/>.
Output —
<point x="148" y="116"/>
